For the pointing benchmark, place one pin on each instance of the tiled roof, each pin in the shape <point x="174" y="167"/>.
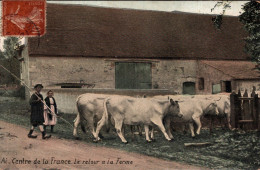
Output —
<point x="76" y="30"/>
<point x="236" y="69"/>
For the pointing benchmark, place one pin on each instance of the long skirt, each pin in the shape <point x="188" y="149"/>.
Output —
<point x="47" y="119"/>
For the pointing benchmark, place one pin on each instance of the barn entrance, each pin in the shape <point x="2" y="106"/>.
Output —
<point x="189" y="88"/>
<point x="133" y="75"/>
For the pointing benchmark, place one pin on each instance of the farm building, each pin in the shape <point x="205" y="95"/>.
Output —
<point x="127" y="51"/>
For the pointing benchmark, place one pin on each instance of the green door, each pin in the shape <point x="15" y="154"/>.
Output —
<point x="133" y="75"/>
<point x="189" y="88"/>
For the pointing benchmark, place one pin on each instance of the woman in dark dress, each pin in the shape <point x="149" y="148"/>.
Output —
<point x="37" y="108"/>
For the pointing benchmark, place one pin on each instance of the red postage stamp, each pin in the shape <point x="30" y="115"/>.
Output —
<point x="23" y="17"/>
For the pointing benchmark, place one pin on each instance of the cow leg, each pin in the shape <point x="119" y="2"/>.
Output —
<point x="152" y="134"/>
<point x="100" y="124"/>
<point x="92" y="127"/>
<point x="146" y="129"/>
<point x="118" y="126"/>
<point x="192" y="129"/>
<point x="159" y="123"/>
<point x="76" y="124"/>
<point x="183" y="127"/>
<point x="168" y="127"/>
<point x="140" y="130"/>
<point x="198" y="123"/>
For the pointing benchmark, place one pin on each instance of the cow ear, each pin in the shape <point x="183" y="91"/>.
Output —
<point x="172" y="102"/>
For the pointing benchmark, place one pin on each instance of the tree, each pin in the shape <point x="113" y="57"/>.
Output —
<point x="10" y="47"/>
<point x="217" y="20"/>
<point x="251" y="20"/>
<point x="10" y="54"/>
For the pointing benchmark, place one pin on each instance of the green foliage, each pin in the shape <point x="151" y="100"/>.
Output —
<point x="2" y="55"/>
<point x="10" y="47"/>
<point x="217" y="20"/>
<point x="251" y="20"/>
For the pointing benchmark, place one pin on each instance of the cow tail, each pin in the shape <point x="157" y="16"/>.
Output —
<point x="79" y="115"/>
<point x="105" y="115"/>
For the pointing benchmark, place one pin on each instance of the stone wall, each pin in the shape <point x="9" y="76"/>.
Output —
<point x="53" y="70"/>
<point x="166" y="74"/>
<point x="171" y="74"/>
<point x="211" y="76"/>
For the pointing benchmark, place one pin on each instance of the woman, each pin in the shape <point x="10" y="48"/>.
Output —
<point x="37" y="109"/>
<point x="49" y="118"/>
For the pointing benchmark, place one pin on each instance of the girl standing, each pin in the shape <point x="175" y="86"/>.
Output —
<point x="49" y="118"/>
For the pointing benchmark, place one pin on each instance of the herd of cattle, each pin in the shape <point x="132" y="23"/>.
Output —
<point x="99" y="110"/>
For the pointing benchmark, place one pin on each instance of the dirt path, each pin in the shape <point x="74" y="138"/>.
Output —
<point x="17" y="150"/>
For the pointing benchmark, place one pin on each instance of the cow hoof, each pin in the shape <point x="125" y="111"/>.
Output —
<point x="96" y="140"/>
<point x="101" y="136"/>
<point x="148" y="141"/>
<point x="125" y="142"/>
<point x="170" y="140"/>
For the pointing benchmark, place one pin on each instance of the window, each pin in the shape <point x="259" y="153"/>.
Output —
<point x="133" y="75"/>
<point x="201" y="83"/>
<point x="189" y="88"/>
<point x="216" y="88"/>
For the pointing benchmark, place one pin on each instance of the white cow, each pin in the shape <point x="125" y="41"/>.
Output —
<point x="222" y="101"/>
<point x="90" y="108"/>
<point x="136" y="111"/>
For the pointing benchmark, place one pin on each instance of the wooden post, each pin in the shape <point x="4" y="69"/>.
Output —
<point x="258" y="112"/>
<point x="238" y="108"/>
<point x="246" y="115"/>
<point x="233" y="122"/>
<point x="254" y="110"/>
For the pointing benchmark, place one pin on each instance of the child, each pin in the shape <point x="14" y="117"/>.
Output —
<point x="49" y="118"/>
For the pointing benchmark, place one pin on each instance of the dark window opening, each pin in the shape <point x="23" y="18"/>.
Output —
<point x="228" y="86"/>
<point x="70" y="86"/>
<point x="189" y="88"/>
<point x="133" y="75"/>
<point x="201" y="83"/>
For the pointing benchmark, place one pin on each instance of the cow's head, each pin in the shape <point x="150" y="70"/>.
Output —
<point x="212" y="109"/>
<point x="174" y="108"/>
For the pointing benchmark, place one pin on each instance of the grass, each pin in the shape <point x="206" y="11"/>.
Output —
<point x="229" y="149"/>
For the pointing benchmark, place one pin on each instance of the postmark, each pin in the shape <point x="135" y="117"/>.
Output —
<point x="23" y="17"/>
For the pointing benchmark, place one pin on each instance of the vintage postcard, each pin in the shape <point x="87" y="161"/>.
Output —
<point x="129" y="84"/>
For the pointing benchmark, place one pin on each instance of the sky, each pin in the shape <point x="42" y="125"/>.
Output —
<point x="203" y="7"/>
